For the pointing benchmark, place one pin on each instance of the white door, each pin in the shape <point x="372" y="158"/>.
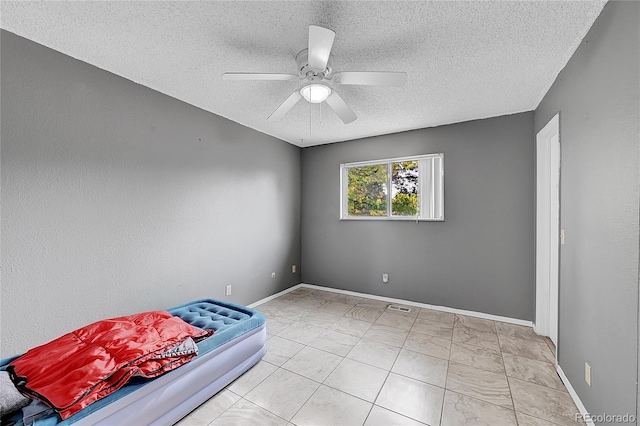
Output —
<point x="547" y="228"/>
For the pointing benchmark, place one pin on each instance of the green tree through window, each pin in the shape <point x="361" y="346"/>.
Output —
<point x="367" y="190"/>
<point x="404" y="177"/>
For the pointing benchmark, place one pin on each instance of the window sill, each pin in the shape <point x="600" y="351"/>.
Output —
<point x="384" y="218"/>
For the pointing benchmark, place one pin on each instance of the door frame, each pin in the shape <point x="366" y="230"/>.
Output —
<point x="548" y="229"/>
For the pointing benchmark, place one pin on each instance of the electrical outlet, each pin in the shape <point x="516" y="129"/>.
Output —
<point x="587" y="373"/>
<point x="228" y="291"/>
<point x="293" y="269"/>
<point x="385" y="278"/>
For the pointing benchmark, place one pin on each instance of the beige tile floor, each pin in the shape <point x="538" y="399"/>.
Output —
<point x="334" y="359"/>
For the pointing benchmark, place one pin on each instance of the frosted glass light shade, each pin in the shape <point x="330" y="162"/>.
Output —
<point x="315" y="93"/>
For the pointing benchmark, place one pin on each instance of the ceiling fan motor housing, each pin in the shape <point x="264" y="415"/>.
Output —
<point x="302" y="59"/>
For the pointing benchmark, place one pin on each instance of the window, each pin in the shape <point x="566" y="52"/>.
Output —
<point x="408" y="188"/>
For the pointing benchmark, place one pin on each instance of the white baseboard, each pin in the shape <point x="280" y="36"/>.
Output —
<point x="574" y="396"/>
<point x="273" y="296"/>
<point x="536" y="329"/>
<point x="401" y="301"/>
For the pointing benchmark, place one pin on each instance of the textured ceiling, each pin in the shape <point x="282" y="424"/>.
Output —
<point x="464" y="60"/>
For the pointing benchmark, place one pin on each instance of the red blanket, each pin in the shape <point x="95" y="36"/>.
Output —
<point x="79" y="368"/>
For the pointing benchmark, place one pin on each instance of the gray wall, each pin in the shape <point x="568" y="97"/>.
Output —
<point x="597" y="95"/>
<point x="118" y="199"/>
<point x="481" y="258"/>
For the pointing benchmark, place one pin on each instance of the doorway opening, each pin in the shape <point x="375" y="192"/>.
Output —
<point x="548" y="229"/>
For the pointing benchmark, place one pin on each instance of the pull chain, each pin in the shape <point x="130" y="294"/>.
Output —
<point x="310" y="111"/>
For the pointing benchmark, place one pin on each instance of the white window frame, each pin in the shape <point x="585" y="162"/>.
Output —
<point x="430" y="187"/>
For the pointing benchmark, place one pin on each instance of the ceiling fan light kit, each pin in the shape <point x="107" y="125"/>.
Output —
<point x="315" y="72"/>
<point x="315" y="93"/>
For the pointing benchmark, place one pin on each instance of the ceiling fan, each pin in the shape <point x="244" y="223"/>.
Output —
<point x="317" y="77"/>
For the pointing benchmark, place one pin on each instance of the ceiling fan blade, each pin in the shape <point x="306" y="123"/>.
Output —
<point x="320" y="42"/>
<point x="286" y="106"/>
<point x="371" y="78"/>
<point x="341" y="108"/>
<point x="257" y="76"/>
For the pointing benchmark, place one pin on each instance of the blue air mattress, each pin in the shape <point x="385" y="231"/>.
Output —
<point x="237" y="344"/>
